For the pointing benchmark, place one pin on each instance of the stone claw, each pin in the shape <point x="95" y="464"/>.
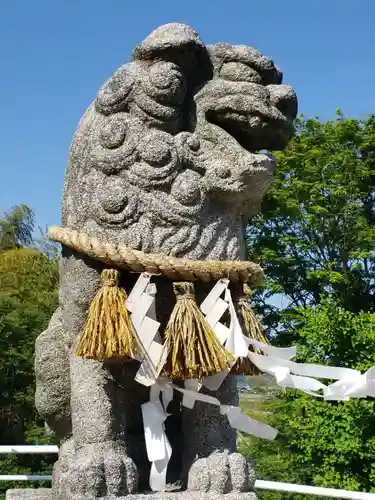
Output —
<point x="94" y="471"/>
<point x="221" y="472"/>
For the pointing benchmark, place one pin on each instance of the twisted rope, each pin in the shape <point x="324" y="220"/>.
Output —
<point x="173" y="268"/>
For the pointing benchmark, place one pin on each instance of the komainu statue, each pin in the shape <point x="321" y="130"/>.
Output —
<point x="171" y="158"/>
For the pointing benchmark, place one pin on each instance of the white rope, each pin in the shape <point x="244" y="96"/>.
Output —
<point x="25" y="477"/>
<point x="313" y="490"/>
<point x="29" y="448"/>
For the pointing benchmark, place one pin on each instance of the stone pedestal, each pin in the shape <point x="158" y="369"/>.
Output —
<point x="29" y="494"/>
<point x="46" y="494"/>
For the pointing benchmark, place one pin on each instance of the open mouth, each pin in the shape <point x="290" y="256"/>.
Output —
<point x="244" y="129"/>
<point x="248" y="112"/>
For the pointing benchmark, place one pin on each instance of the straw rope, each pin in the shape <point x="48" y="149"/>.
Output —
<point x="173" y="268"/>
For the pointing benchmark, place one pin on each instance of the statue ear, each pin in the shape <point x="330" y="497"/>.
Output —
<point x="113" y="94"/>
<point x="181" y="45"/>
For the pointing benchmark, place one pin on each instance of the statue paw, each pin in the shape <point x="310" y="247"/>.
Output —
<point x="96" y="470"/>
<point x="221" y="472"/>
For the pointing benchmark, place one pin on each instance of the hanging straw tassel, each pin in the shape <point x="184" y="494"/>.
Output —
<point x="251" y="328"/>
<point x="108" y="332"/>
<point x="194" y="350"/>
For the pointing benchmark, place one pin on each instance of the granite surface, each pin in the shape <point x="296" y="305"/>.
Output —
<point x="167" y="159"/>
<point x="29" y="494"/>
<point x="46" y="494"/>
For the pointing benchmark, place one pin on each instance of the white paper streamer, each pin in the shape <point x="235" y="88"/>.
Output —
<point x="235" y="342"/>
<point x="151" y="290"/>
<point x="154" y="417"/>
<point x="236" y="417"/>
<point x="193" y="385"/>
<point x="355" y="386"/>
<point x="281" y="370"/>
<point x="152" y="364"/>
<point x="159" y="450"/>
<point x="213" y="382"/>
<point x="137" y="290"/>
<point x="350" y="383"/>
<point x="213" y="296"/>
<point x="274" y="360"/>
<point x="279" y="352"/>
<point x="241" y="422"/>
<point x="232" y="338"/>
<point x="141" y="303"/>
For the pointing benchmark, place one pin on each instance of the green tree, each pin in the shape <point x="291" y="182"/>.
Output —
<point x="322" y="443"/>
<point x="336" y="440"/>
<point x="316" y="233"/>
<point x="16" y="228"/>
<point x="28" y="297"/>
<point x="315" y="240"/>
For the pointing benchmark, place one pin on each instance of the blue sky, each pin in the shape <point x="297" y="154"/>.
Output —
<point x="55" y="54"/>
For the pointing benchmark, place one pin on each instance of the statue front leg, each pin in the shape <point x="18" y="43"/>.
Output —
<point x="100" y="464"/>
<point x="211" y="461"/>
<point x="96" y="462"/>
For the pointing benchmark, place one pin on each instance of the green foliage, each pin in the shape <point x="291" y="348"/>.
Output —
<point x="316" y="233"/>
<point x="323" y="443"/>
<point x="16" y="228"/>
<point x="315" y="240"/>
<point x="28" y="297"/>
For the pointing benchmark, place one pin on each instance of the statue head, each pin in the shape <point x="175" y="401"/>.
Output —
<point x="171" y="157"/>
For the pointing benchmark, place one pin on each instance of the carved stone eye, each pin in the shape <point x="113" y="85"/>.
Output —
<point x="113" y="198"/>
<point x="193" y="143"/>
<point x="185" y="188"/>
<point x="164" y="75"/>
<point x="154" y="149"/>
<point x="113" y="133"/>
<point x="112" y="96"/>
<point x="239" y="72"/>
<point x="167" y="82"/>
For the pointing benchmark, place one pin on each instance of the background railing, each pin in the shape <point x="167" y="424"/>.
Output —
<point x="259" y="484"/>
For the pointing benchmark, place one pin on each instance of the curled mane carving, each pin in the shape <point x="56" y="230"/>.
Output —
<point x="166" y="158"/>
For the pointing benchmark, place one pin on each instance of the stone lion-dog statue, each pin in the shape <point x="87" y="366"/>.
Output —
<point x="170" y="158"/>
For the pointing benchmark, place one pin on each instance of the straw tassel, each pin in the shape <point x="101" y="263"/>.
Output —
<point x="251" y="328"/>
<point x="194" y="350"/>
<point x="108" y="332"/>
